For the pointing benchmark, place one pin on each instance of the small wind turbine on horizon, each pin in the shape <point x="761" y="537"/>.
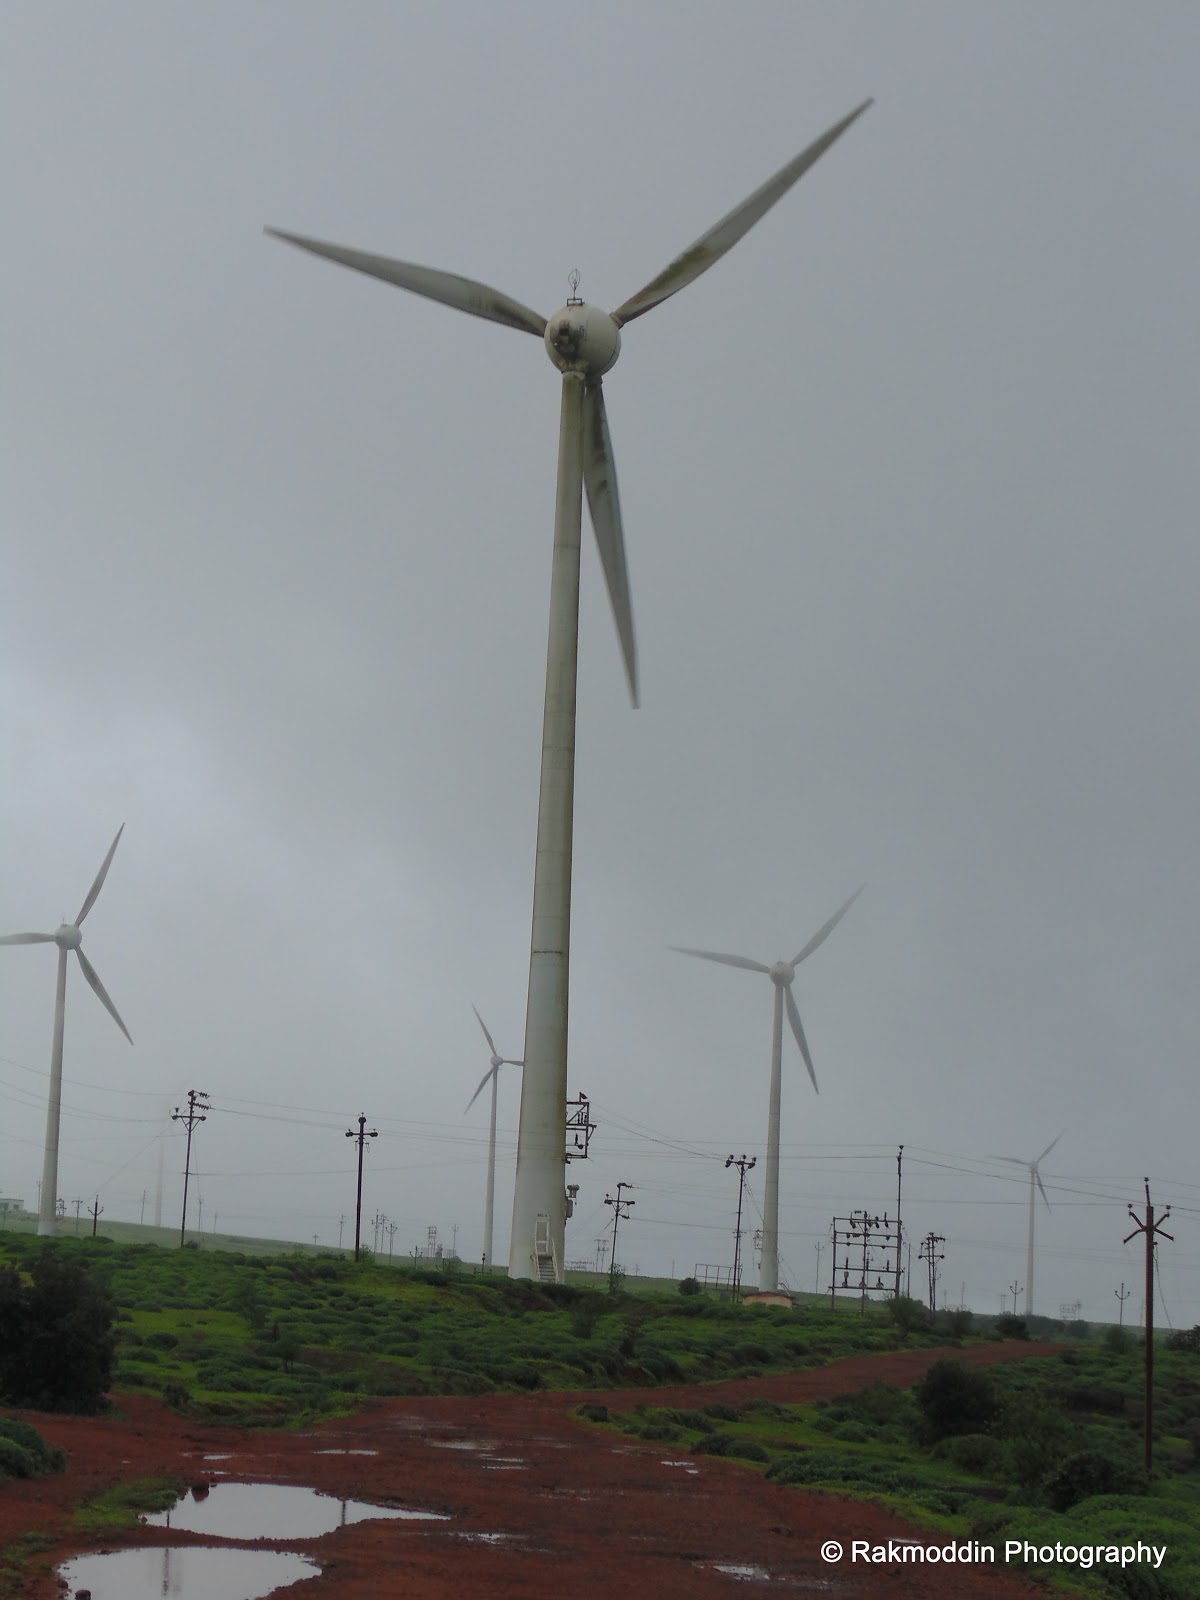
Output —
<point x="781" y="975"/>
<point x="67" y="937"/>
<point x="583" y="342"/>
<point x="493" y="1073"/>
<point x="1035" y="1183"/>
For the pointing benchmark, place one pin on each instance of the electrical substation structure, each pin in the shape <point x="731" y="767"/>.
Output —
<point x="866" y="1256"/>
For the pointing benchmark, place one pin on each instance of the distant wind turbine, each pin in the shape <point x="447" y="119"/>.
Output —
<point x="1035" y="1183"/>
<point x="67" y="937"/>
<point x="781" y="975"/>
<point x="493" y="1073"/>
<point x="583" y="342"/>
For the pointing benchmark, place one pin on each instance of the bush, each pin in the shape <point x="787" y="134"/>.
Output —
<point x="1185" y="1339"/>
<point x="1118" y="1340"/>
<point x="954" y="1399"/>
<point x="908" y="1315"/>
<point x="1010" y="1327"/>
<point x="42" y="1457"/>
<point x="1086" y="1473"/>
<point x="56" y="1337"/>
<point x="729" y="1444"/>
<point x="689" y="1286"/>
<point x="973" y="1452"/>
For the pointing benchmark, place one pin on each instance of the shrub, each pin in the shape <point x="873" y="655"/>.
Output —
<point x="1010" y="1327"/>
<point x="1118" y="1340"/>
<point x="1086" y="1473"/>
<point x="56" y="1337"/>
<point x="973" y="1452"/>
<point x="1185" y="1339"/>
<point x="590" y="1412"/>
<point x="689" y="1286"/>
<point x="729" y="1444"/>
<point x="43" y="1457"/>
<point x="908" y="1315"/>
<point x="955" y="1399"/>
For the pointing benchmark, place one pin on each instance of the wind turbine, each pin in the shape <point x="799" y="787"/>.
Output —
<point x="493" y="1073"/>
<point x="67" y="937"/>
<point x="781" y="975"/>
<point x="1035" y="1183"/>
<point x="583" y="342"/>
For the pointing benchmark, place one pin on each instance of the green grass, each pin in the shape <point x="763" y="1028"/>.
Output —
<point x="285" y="1339"/>
<point x="1061" y="1425"/>
<point x="120" y="1507"/>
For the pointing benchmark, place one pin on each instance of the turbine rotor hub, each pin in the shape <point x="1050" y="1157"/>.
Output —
<point x="582" y="338"/>
<point x="781" y="974"/>
<point x="497" y="1063"/>
<point x="68" y="936"/>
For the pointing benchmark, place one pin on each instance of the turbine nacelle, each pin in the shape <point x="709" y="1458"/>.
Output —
<point x="782" y="973"/>
<point x="582" y="338"/>
<point x="68" y="936"/>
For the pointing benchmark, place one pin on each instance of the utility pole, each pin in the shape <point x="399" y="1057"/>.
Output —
<point x="1122" y="1295"/>
<point x="196" y="1099"/>
<point x="364" y="1133"/>
<point x="899" y="1224"/>
<point x="78" y="1204"/>
<point x="391" y="1233"/>
<point x="96" y="1211"/>
<point x="341" y="1225"/>
<point x="1150" y="1228"/>
<point x="621" y="1209"/>
<point x="743" y="1167"/>
<point x="931" y="1255"/>
<point x="1015" y="1289"/>
<point x="817" y="1281"/>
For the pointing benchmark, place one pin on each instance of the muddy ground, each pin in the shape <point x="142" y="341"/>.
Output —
<point x="581" y="1510"/>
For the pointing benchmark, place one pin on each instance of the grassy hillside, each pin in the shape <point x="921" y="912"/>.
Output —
<point x="271" y="1338"/>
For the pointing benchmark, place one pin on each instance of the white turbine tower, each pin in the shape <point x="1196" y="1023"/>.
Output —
<point x="583" y="342"/>
<point x="781" y="975"/>
<point x="493" y="1073"/>
<point x="1035" y="1184"/>
<point x="67" y="937"/>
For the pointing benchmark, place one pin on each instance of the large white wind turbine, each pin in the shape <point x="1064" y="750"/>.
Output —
<point x="67" y="937"/>
<point x="493" y="1072"/>
<point x="781" y="975"/>
<point x="1035" y="1184"/>
<point x="583" y="342"/>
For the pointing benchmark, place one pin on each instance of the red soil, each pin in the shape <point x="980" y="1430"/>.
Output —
<point x="587" y="1512"/>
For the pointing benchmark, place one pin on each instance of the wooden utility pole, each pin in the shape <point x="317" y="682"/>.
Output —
<point x="621" y="1209"/>
<point x="1122" y="1295"/>
<point x="364" y="1133"/>
<point x="197" y="1106"/>
<point x="96" y="1211"/>
<point x="1150" y="1228"/>
<point x="1015" y="1289"/>
<point x="743" y="1167"/>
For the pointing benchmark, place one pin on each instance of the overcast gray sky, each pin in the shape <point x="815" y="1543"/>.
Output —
<point x="909" y="483"/>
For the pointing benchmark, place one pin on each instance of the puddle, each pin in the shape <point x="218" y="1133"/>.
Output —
<point x="187" y="1572"/>
<point x="337" y="1453"/>
<point x="271" y="1511"/>
<point x="688" y="1466"/>
<point x="463" y="1444"/>
<point x="747" y="1574"/>
<point x="228" y="1456"/>
<point x="487" y="1538"/>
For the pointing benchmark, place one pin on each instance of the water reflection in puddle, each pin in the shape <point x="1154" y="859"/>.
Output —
<point x="345" y="1453"/>
<point x="748" y="1574"/>
<point x="271" y="1511"/>
<point x="187" y="1572"/>
<point x="464" y="1444"/>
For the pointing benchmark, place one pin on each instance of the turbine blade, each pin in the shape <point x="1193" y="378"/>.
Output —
<point x="1012" y="1160"/>
<point x="711" y="246"/>
<point x="507" y="1062"/>
<point x="827" y="928"/>
<point x="1042" y="1188"/>
<point x="490" y="1073"/>
<point x="27" y="938"/>
<point x="728" y="961"/>
<point x="798" y="1030"/>
<point x="600" y="477"/>
<point x="1048" y="1149"/>
<point x="100" y="877"/>
<point x="486" y="1034"/>
<point x="93" y="978"/>
<point x="464" y="294"/>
